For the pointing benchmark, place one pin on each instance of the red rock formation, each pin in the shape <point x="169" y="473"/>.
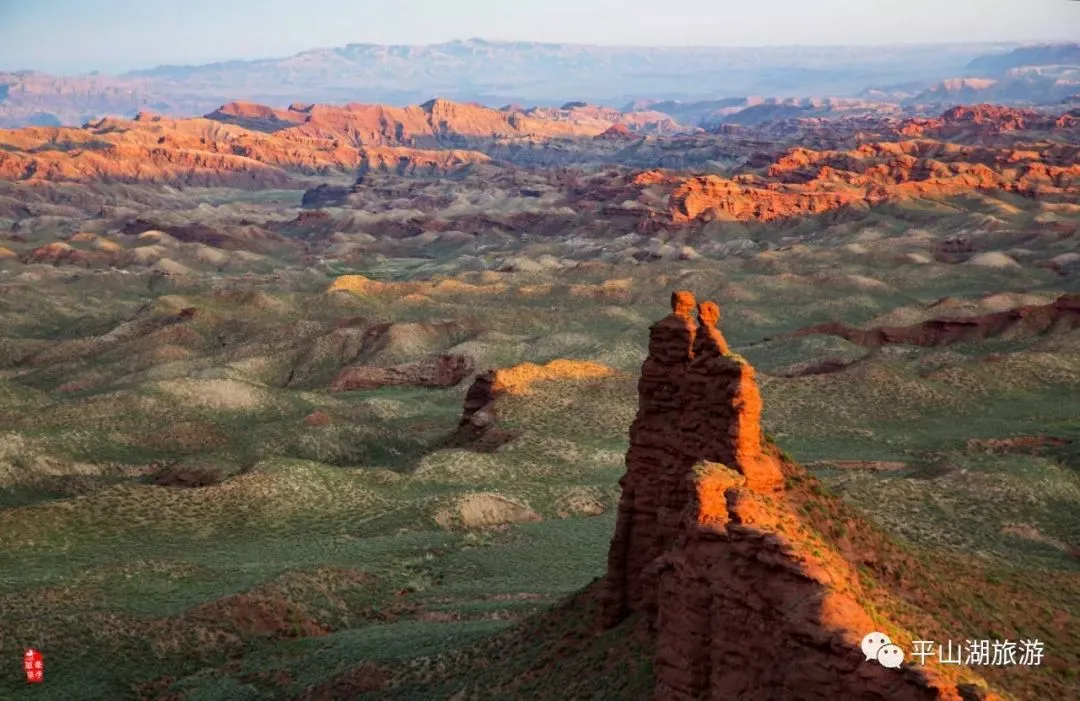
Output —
<point x="651" y="177"/>
<point x="411" y="161"/>
<point x="248" y="144"/>
<point x="477" y="429"/>
<point x="201" y="152"/>
<point x="804" y="181"/>
<point x="654" y="486"/>
<point x="478" y="412"/>
<point x="59" y="253"/>
<point x="616" y="132"/>
<point x="732" y="200"/>
<point x="984" y="120"/>
<point x="250" y="115"/>
<point x="1061" y="314"/>
<point x="436" y="123"/>
<point x="709" y="317"/>
<point x="745" y="600"/>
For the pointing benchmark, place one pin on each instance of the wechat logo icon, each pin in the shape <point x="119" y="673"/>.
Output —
<point x="878" y="647"/>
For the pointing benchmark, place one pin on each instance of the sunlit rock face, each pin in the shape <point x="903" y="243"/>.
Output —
<point x="745" y="599"/>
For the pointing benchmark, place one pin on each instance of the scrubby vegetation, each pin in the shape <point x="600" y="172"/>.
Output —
<point x="188" y="512"/>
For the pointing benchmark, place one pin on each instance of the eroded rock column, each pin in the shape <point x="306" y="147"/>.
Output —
<point x="746" y="600"/>
<point x="652" y="460"/>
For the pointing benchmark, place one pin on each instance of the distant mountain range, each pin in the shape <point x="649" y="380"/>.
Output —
<point x="497" y="73"/>
<point x="1067" y="54"/>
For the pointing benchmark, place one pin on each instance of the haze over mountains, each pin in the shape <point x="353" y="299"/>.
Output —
<point x="920" y="78"/>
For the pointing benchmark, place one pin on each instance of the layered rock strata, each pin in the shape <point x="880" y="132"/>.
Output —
<point x="745" y="600"/>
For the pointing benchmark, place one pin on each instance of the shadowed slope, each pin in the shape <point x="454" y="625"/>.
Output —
<point x="1062" y="314"/>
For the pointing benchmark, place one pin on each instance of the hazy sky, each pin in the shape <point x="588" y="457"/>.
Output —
<point x="74" y="36"/>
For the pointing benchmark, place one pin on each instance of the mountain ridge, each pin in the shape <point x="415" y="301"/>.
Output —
<point x="482" y="71"/>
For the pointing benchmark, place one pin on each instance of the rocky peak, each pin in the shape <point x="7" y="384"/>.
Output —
<point x="744" y="598"/>
<point x="616" y="132"/>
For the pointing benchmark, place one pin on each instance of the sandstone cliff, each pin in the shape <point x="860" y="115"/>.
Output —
<point x="727" y="199"/>
<point x="805" y="181"/>
<point x="202" y="152"/>
<point x="250" y="145"/>
<point x="988" y="120"/>
<point x="745" y="600"/>
<point x="437" y="123"/>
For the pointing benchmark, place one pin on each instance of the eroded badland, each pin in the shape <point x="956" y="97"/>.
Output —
<point x="390" y="402"/>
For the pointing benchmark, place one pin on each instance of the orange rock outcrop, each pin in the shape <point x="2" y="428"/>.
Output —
<point x="60" y="253"/>
<point x="743" y="202"/>
<point x="360" y="285"/>
<point x="519" y="378"/>
<point x="746" y="601"/>
<point x="803" y="181"/>
<point x="616" y="132"/>
<point x="477" y="425"/>
<point x="487" y="387"/>
<point x="248" y="145"/>
<point x="203" y="152"/>
<point x="437" y="123"/>
<point x="984" y="120"/>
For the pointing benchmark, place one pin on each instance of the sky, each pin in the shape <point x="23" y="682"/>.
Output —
<point x="77" y="36"/>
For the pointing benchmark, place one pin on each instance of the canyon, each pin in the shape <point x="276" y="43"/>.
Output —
<point x="339" y="390"/>
<point x="405" y="152"/>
